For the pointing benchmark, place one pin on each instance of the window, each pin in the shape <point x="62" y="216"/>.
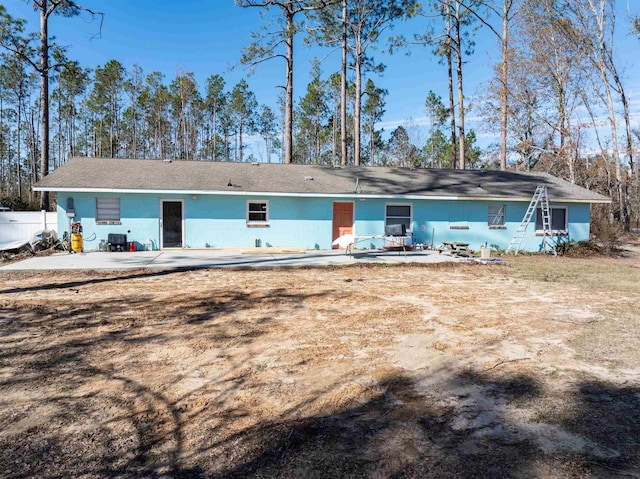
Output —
<point x="108" y="210"/>
<point x="398" y="215"/>
<point x="558" y="219"/>
<point x="497" y="216"/>
<point x="257" y="212"/>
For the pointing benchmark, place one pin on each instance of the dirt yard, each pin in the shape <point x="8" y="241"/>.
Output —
<point x="527" y="369"/>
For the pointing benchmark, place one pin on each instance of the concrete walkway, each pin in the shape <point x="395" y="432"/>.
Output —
<point x="190" y="259"/>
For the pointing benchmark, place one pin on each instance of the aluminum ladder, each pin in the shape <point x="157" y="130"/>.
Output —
<point x="541" y="197"/>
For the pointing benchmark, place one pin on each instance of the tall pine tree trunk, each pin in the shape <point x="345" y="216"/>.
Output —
<point x="288" y="108"/>
<point x="334" y="140"/>
<point x="44" y="98"/>
<point x="452" y="106"/>
<point x="458" y="42"/>
<point x="240" y="128"/>
<point x="134" y="139"/>
<point x="3" y="176"/>
<point x="504" y="75"/>
<point x="18" y="155"/>
<point x="215" y="146"/>
<point x="357" y="143"/>
<point x="372" y="141"/>
<point x="343" y="88"/>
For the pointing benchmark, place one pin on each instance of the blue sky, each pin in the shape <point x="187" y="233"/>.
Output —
<point x="206" y="37"/>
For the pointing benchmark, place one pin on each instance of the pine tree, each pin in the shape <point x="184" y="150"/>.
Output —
<point x="243" y="106"/>
<point x="38" y="58"/>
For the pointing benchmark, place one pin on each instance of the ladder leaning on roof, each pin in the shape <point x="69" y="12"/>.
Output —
<point x="539" y="197"/>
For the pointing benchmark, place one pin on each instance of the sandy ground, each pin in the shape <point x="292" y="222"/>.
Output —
<point x="527" y="369"/>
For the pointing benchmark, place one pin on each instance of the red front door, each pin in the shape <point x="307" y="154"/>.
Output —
<point x="342" y="220"/>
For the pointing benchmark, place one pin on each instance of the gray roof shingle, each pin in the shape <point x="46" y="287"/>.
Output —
<point x="207" y="176"/>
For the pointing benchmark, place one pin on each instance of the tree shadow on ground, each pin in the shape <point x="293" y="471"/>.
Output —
<point x="208" y="316"/>
<point x="66" y="415"/>
<point x="471" y="424"/>
<point x="402" y="433"/>
<point x="608" y="416"/>
<point x="95" y="277"/>
<point x="399" y="431"/>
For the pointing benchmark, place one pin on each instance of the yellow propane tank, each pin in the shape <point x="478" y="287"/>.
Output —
<point x="76" y="237"/>
<point x="76" y="243"/>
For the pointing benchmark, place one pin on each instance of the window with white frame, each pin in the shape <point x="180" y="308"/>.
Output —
<point x="257" y="212"/>
<point x="558" y="219"/>
<point x="108" y="210"/>
<point x="396" y="214"/>
<point x="497" y="216"/>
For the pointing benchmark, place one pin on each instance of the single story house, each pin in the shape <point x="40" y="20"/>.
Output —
<point x="201" y="204"/>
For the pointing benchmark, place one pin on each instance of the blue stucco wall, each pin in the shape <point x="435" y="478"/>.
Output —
<point x="220" y="221"/>
<point x="435" y="221"/>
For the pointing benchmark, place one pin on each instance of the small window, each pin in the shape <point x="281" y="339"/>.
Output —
<point x="108" y="210"/>
<point x="558" y="219"/>
<point x="497" y="216"/>
<point x="398" y="215"/>
<point x="257" y="212"/>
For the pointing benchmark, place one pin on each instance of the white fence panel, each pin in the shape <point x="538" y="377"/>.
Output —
<point x="22" y="225"/>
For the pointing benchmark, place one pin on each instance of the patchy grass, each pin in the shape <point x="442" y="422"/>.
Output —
<point x="612" y="339"/>
<point x="597" y="274"/>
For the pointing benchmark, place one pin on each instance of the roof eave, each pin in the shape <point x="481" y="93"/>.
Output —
<point x="306" y="194"/>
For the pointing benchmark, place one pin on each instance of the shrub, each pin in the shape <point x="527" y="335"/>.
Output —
<point x="583" y="249"/>
<point x="14" y="203"/>
<point x="497" y="248"/>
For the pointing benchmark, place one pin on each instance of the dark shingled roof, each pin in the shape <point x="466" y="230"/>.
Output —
<point x="207" y="176"/>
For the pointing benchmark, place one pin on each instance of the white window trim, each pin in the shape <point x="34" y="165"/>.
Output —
<point x="410" y="205"/>
<point x="261" y="223"/>
<point x="564" y="231"/>
<point x="503" y="225"/>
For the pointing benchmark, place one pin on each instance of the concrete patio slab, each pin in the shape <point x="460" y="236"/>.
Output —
<point x="191" y="259"/>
